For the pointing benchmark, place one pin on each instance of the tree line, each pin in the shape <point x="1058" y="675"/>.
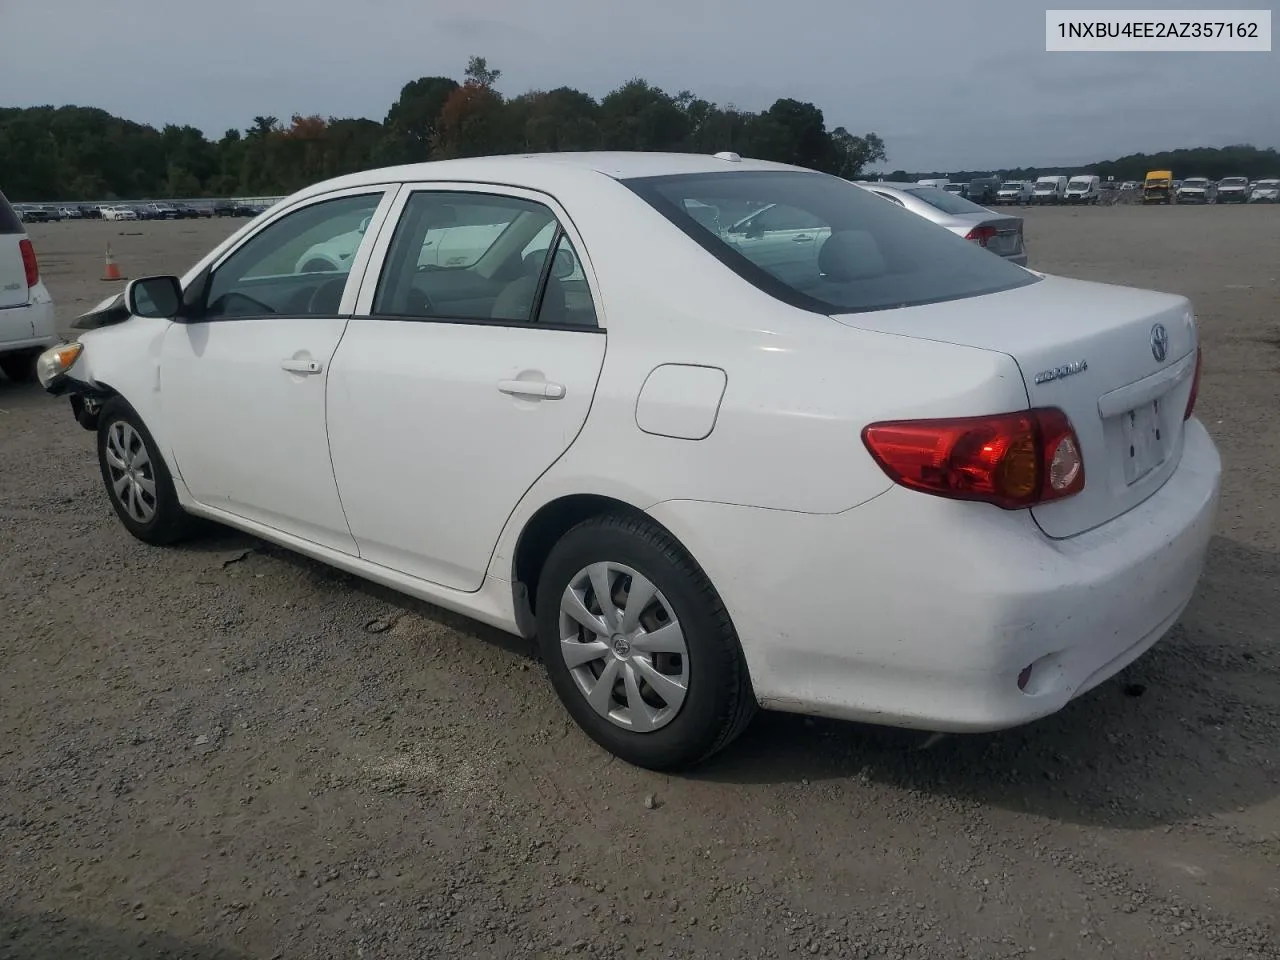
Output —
<point x="84" y="153"/>
<point x="1241" y="160"/>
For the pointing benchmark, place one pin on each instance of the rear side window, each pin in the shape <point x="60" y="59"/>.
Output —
<point x="833" y="247"/>
<point x="9" y="222"/>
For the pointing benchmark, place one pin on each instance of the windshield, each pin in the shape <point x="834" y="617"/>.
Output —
<point x="1046" y="185"/>
<point x="1080" y="183"/>
<point x="1195" y="182"/>
<point x="953" y="187"/>
<point x="1011" y="185"/>
<point x="1269" y="184"/>
<point x="859" y="254"/>
<point x="1234" y="182"/>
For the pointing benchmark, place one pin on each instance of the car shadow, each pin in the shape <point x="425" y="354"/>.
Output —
<point x="231" y="546"/>
<point x="1186" y="731"/>
<point x="53" y="937"/>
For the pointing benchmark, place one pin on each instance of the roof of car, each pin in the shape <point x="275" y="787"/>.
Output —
<point x="530" y="168"/>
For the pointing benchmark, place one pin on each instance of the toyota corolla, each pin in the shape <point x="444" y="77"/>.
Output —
<point x="843" y="462"/>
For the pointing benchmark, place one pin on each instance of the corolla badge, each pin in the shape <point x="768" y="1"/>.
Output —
<point x="1065" y="370"/>
<point x="1159" y="342"/>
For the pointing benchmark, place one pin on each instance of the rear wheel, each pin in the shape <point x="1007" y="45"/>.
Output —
<point x="638" y="645"/>
<point x="19" y="367"/>
<point x="137" y="480"/>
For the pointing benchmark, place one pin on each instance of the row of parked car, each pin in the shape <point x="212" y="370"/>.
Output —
<point x="1159" y="187"/>
<point x="158" y="210"/>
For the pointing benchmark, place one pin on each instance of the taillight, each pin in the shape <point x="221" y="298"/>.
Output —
<point x="29" y="262"/>
<point x="980" y="235"/>
<point x="1195" y="388"/>
<point x="1012" y="460"/>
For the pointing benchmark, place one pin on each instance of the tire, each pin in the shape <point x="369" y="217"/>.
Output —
<point x="155" y="517"/>
<point x="19" y="367"/>
<point x="718" y="701"/>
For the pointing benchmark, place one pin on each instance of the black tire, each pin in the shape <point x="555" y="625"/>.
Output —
<point x="19" y="367"/>
<point x="168" y="522"/>
<point x="719" y="702"/>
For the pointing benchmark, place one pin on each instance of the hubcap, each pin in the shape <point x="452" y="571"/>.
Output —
<point x="624" y="647"/>
<point x="133" y="481"/>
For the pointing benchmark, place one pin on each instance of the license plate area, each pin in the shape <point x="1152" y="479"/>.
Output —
<point x="1145" y="440"/>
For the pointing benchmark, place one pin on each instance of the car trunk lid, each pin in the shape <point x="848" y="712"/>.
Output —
<point x="1117" y="360"/>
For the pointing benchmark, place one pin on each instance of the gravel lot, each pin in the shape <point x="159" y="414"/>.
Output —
<point x="226" y="751"/>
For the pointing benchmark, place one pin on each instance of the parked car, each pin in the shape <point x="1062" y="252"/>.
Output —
<point x="90" y="212"/>
<point x="1049" y="189"/>
<point x="983" y="190"/>
<point x="1197" y="190"/>
<point x="1084" y="188"/>
<point x="30" y="213"/>
<point x="70" y="213"/>
<point x="187" y="211"/>
<point x="770" y="451"/>
<point x="959" y="189"/>
<point x="1014" y="192"/>
<point x="1265" y="191"/>
<point x="26" y="309"/>
<point x="118" y="211"/>
<point x="1233" y="190"/>
<point x="1159" y="187"/>
<point x="999" y="233"/>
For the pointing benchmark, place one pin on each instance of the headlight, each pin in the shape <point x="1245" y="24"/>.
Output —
<point x="57" y="360"/>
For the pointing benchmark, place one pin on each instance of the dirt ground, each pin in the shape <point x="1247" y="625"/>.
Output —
<point x="226" y="751"/>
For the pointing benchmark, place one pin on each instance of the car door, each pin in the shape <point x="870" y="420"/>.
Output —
<point x="242" y="379"/>
<point x="456" y="387"/>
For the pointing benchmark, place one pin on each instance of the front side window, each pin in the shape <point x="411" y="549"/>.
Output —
<point x="297" y="266"/>
<point x="475" y="257"/>
<point x="866" y="254"/>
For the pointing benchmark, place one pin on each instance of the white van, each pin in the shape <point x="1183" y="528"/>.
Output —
<point x="1085" y="188"/>
<point x="941" y="184"/>
<point x="1049" y="190"/>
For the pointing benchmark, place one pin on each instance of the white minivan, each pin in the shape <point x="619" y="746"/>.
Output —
<point x="1049" y="190"/>
<point x="1085" y="188"/>
<point x="26" y="309"/>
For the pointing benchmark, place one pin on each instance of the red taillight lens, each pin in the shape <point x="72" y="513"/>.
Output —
<point x="1195" y="389"/>
<point x="980" y="235"/>
<point x="1013" y="460"/>
<point x="29" y="262"/>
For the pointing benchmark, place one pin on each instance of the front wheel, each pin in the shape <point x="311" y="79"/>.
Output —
<point x="639" y="646"/>
<point x="136" y="477"/>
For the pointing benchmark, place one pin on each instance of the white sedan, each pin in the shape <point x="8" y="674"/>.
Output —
<point x="890" y="478"/>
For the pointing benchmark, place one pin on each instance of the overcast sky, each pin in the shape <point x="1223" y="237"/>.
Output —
<point x="947" y="85"/>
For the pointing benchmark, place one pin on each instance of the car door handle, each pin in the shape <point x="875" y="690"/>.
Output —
<point x="301" y="366"/>
<point x="802" y="239"/>
<point x="532" y="389"/>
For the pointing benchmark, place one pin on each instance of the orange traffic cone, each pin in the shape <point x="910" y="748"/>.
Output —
<point x="112" y="272"/>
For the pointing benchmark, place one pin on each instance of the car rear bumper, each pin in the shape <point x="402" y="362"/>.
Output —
<point x="28" y="327"/>
<point x="920" y="612"/>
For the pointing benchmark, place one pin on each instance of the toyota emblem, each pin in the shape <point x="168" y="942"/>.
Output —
<point x="1159" y="342"/>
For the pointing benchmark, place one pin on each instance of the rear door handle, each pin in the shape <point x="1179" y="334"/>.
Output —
<point x="533" y="389"/>
<point x="301" y="366"/>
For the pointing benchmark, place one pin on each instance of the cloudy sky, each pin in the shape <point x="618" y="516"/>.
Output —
<point x="947" y="85"/>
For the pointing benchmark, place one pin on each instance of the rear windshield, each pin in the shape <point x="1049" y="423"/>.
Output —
<point x="9" y="222"/>
<point x="858" y="253"/>
<point x="941" y="200"/>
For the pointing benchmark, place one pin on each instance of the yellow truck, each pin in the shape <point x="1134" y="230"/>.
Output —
<point x="1158" y="187"/>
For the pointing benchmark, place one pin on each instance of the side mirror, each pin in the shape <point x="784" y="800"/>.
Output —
<point x="156" y="298"/>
